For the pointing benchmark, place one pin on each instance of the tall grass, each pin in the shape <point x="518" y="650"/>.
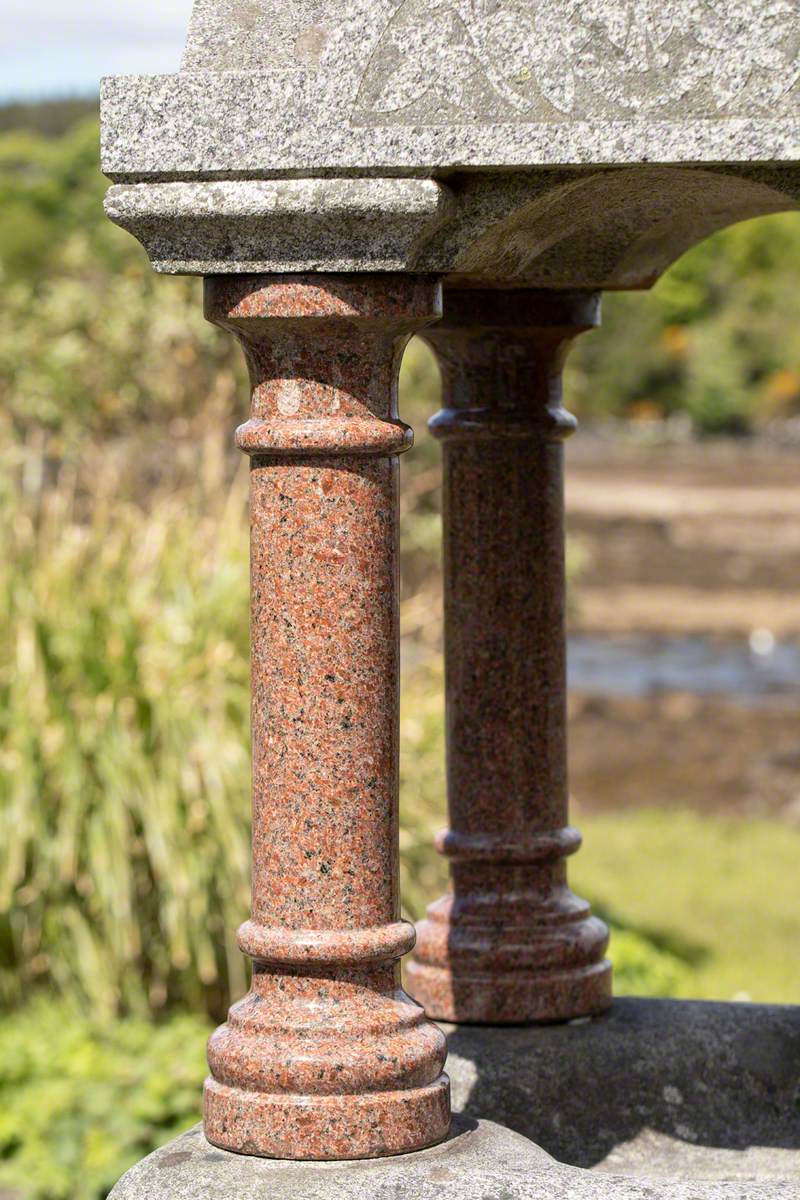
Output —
<point x="124" y="708"/>
<point x="124" y="711"/>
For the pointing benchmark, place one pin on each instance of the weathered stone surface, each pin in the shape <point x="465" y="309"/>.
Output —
<point x="326" y="1057"/>
<point x="422" y="84"/>
<point x="480" y="1161"/>
<point x="451" y="60"/>
<point x="590" y="228"/>
<point x="257" y="225"/>
<point x="474" y="1162"/>
<point x="596" y="228"/>
<point x="655" y="1088"/>
<point x="510" y="943"/>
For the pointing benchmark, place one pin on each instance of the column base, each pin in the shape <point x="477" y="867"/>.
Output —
<point x="511" y="999"/>
<point x="329" y="1065"/>
<point x="319" y="1128"/>
<point x="544" y="962"/>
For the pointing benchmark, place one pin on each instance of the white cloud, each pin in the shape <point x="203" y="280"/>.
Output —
<point x="57" y="48"/>
<point x="96" y="14"/>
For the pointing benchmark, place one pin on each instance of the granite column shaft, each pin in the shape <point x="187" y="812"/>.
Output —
<point x="511" y="943"/>
<point x="326" y="1057"/>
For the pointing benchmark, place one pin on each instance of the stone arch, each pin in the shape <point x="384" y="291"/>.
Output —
<point x="607" y="229"/>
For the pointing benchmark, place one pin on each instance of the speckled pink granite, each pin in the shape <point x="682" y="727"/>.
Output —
<point x="326" y="1057"/>
<point x="511" y="943"/>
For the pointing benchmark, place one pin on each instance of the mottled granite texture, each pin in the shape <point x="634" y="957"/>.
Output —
<point x="516" y="61"/>
<point x="393" y="85"/>
<point x="510" y="943"/>
<point x="667" y="1100"/>
<point x="576" y="145"/>
<point x="655" y="1089"/>
<point x="565" y="228"/>
<point x="256" y="225"/>
<point x="326" y="1057"/>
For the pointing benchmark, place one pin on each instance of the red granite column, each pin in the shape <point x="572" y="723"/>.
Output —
<point x="511" y="943"/>
<point x="326" y="1057"/>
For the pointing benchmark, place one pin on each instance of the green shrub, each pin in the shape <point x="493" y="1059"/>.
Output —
<point x="716" y="338"/>
<point x="81" y="1100"/>
<point x="643" y="968"/>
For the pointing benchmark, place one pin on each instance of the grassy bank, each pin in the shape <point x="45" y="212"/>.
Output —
<point x="720" y="894"/>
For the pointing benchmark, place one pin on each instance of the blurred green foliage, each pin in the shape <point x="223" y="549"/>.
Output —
<point x="712" y="892"/>
<point x="717" y="339"/>
<point x="51" y="118"/>
<point x="82" y="1100"/>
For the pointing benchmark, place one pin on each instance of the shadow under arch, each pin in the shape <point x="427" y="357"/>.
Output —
<point x="599" y="229"/>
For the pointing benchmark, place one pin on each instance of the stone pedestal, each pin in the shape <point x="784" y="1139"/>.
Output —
<point x="511" y="943"/>
<point x="326" y="1057"/>
<point x="663" y="1100"/>
<point x="662" y="1090"/>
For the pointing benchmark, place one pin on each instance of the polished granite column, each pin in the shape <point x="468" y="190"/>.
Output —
<point x="326" y="1057"/>
<point x="511" y="943"/>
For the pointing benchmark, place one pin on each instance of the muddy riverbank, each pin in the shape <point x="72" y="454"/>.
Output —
<point x="686" y="626"/>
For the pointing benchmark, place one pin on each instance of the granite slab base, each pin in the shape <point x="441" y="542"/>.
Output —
<point x="656" y="1089"/>
<point x="657" y="1100"/>
<point x="480" y="1161"/>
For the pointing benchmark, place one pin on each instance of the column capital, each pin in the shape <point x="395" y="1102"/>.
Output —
<point x="501" y="355"/>
<point x="343" y="337"/>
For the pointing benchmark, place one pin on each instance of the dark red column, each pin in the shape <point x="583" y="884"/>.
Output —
<point x="511" y="943"/>
<point x="326" y="1057"/>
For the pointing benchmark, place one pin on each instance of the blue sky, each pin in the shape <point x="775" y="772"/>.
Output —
<point x="62" y="47"/>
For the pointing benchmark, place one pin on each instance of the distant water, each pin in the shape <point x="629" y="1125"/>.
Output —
<point x="643" y="666"/>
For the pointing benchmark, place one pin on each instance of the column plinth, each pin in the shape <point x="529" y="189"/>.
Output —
<point x="511" y="943"/>
<point x="326" y="1057"/>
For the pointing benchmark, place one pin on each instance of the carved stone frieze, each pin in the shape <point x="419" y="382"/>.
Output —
<point x="522" y="60"/>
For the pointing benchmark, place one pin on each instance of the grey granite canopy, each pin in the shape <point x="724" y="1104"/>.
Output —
<point x="563" y="143"/>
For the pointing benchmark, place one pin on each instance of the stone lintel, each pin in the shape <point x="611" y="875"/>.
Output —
<point x="393" y="86"/>
<point x="588" y="144"/>
<point x="266" y="123"/>
<point x="575" y="228"/>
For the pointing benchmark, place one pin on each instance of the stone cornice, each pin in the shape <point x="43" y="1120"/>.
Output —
<point x="589" y="228"/>
<point x="251" y="226"/>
